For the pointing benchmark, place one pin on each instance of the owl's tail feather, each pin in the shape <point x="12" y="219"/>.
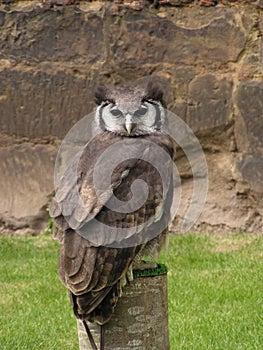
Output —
<point x="97" y="306"/>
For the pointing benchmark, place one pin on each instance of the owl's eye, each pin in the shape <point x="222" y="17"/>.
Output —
<point x="116" y="112"/>
<point x="141" y="111"/>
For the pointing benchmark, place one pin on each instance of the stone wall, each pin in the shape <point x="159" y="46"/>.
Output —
<point x="52" y="57"/>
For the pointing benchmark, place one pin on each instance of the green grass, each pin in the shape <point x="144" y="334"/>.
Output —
<point x="215" y="294"/>
<point x="35" y="310"/>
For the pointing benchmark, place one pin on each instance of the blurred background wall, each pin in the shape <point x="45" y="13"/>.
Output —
<point x="52" y="56"/>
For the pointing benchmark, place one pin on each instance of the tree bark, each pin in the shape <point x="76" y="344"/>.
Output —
<point x="140" y="320"/>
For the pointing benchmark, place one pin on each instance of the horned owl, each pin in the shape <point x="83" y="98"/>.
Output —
<point x="101" y="241"/>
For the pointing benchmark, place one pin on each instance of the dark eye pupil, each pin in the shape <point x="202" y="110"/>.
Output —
<point x="141" y="111"/>
<point x="116" y="112"/>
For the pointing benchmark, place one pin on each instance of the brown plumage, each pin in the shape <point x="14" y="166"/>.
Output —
<point x="93" y="263"/>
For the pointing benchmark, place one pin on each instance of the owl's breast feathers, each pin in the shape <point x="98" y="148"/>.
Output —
<point x="92" y="262"/>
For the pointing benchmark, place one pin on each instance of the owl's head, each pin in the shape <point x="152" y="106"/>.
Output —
<point x="130" y="110"/>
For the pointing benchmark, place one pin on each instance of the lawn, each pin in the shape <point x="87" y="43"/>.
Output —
<point x="215" y="294"/>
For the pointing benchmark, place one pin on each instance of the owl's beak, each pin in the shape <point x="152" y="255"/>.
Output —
<point x="128" y="123"/>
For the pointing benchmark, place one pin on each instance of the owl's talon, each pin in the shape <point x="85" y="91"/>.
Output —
<point x="146" y="265"/>
<point x="129" y="275"/>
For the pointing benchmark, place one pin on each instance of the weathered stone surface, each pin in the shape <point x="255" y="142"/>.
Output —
<point x="249" y="132"/>
<point x="230" y="205"/>
<point x="227" y="206"/>
<point x="43" y="103"/>
<point x="178" y="39"/>
<point x="260" y="4"/>
<point x="250" y="104"/>
<point x="39" y="34"/>
<point x="52" y="57"/>
<point x="250" y="65"/>
<point x="55" y="35"/>
<point x="174" y="2"/>
<point x="26" y="184"/>
<point x="209" y="102"/>
<point x="29" y="99"/>
<point x="251" y="167"/>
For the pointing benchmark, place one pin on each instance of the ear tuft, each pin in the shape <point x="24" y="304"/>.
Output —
<point x="154" y="92"/>
<point x="100" y="95"/>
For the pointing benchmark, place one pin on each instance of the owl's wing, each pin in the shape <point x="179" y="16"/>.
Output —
<point x="76" y="200"/>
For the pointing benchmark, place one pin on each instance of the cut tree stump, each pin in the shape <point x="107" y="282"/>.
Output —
<point x="140" y="320"/>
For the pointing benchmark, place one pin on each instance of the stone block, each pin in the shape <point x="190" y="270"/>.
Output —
<point x="26" y="185"/>
<point x="185" y="37"/>
<point x="130" y="39"/>
<point x="42" y="103"/>
<point x="249" y="132"/>
<point x="38" y="33"/>
<point x="209" y="102"/>
<point x="250" y="104"/>
<point x="251" y="168"/>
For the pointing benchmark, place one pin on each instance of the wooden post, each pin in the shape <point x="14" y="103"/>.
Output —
<point x="140" y="320"/>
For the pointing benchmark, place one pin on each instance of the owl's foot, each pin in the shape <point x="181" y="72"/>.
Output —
<point x="139" y="265"/>
<point x="144" y="265"/>
<point x="129" y="275"/>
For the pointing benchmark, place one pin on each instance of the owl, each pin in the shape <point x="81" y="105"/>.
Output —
<point x="112" y="205"/>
